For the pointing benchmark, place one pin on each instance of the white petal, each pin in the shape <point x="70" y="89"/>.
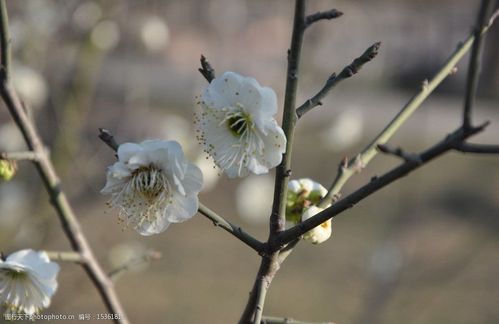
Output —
<point x="126" y="150"/>
<point x="275" y="146"/>
<point x="193" y="180"/>
<point x="227" y="85"/>
<point x="159" y="225"/>
<point x="182" y="208"/>
<point x="319" y="233"/>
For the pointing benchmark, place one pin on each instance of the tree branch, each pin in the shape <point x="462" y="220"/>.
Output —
<point x="345" y="172"/>
<point x="322" y="15"/>
<point x="376" y="184"/>
<point x="333" y="80"/>
<point x="19" y="156"/>
<point x="206" y="69"/>
<point x="398" y="152"/>
<point x="51" y="182"/>
<point x="235" y="230"/>
<point x="285" y="320"/>
<point x="475" y="60"/>
<point x="108" y="138"/>
<point x="66" y="256"/>
<point x="270" y="262"/>
<point x="477" y="148"/>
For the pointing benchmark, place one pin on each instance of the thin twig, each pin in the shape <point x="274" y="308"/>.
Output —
<point x="206" y="69"/>
<point x="4" y="42"/>
<point x="333" y="80"/>
<point x="398" y="152"/>
<point x="231" y="228"/>
<point x="376" y="184"/>
<point x="475" y="60"/>
<point x="108" y="138"/>
<point x="345" y="173"/>
<point x="66" y="256"/>
<point x="19" y="156"/>
<point x="44" y="166"/>
<point x="477" y="148"/>
<point x="322" y="15"/>
<point x="286" y="320"/>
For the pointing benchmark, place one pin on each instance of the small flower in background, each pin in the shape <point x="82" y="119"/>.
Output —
<point x="302" y="199"/>
<point x="254" y="199"/>
<point x="27" y="282"/>
<point x="346" y="130"/>
<point x="7" y="169"/>
<point x="319" y="233"/>
<point x="153" y="185"/>
<point x="237" y="128"/>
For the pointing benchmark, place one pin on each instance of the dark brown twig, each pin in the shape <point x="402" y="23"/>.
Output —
<point x="334" y="79"/>
<point x="322" y="15"/>
<point x="206" y="69"/>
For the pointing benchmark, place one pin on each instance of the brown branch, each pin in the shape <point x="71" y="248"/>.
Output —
<point x="322" y="15"/>
<point x="108" y="138"/>
<point x="398" y="152"/>
<point x="206" y="69"/>
<point x="19" y="156"/>
<point x="45" y="169"/>
<point x="448" y="144"/>
<point x="333" y="80"/>
<point x="475" y="61"/>
<point x="477" y="148"/>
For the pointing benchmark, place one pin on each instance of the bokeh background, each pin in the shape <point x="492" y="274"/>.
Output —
<point x="424" y="250"/>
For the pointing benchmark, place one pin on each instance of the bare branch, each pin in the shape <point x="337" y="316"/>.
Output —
<point x="286" y="320"/>
<point x="108" y="138"/>
<point x="19" y="156"/>
<point x="322" y="15"/>
<point x="206" y="69"/>
<point x="344" y="173"/>
<point x="231" y="228"/>
<point x="66" y="256"/>
<point x="475" y="61"/>
<point x="459" y="136"/>
<point x="45" y="169"/>
<point x="333" y="80"/>
<point x="4" y="42"/>
<point x="398" y="152"/>
<point x="270" y="264"/>
<point x="477" y="148"/>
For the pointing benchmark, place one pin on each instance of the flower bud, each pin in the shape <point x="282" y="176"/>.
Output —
<point x="7" y="169"/>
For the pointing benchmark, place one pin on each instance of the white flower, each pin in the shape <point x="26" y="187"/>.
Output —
<point x="153" y="185"/>
<point x="319" y="233"/>
<point x="27" y="281"/>
<point x="302" y="193"/>
<point x="237" y="128"/>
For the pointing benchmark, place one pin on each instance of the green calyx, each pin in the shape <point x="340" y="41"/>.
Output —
<point x="297" y="201"/>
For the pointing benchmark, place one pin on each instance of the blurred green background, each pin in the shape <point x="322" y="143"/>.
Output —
<point x="424" y="250"/>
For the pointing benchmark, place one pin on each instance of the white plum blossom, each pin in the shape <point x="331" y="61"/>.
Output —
<point x="303" y="198"/>
<point x="237" y="128"/>
<point x="319" y="233"/>
<point x="27" y="282"/>
<point x="153" y="185"/>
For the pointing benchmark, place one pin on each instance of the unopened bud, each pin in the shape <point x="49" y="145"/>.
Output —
<point x="7" y="169"/>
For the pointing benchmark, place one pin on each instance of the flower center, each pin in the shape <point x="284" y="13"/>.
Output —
<point x="15" y="274"/>
<point x="238" y="123"/>
<point x="149" y="181"/>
